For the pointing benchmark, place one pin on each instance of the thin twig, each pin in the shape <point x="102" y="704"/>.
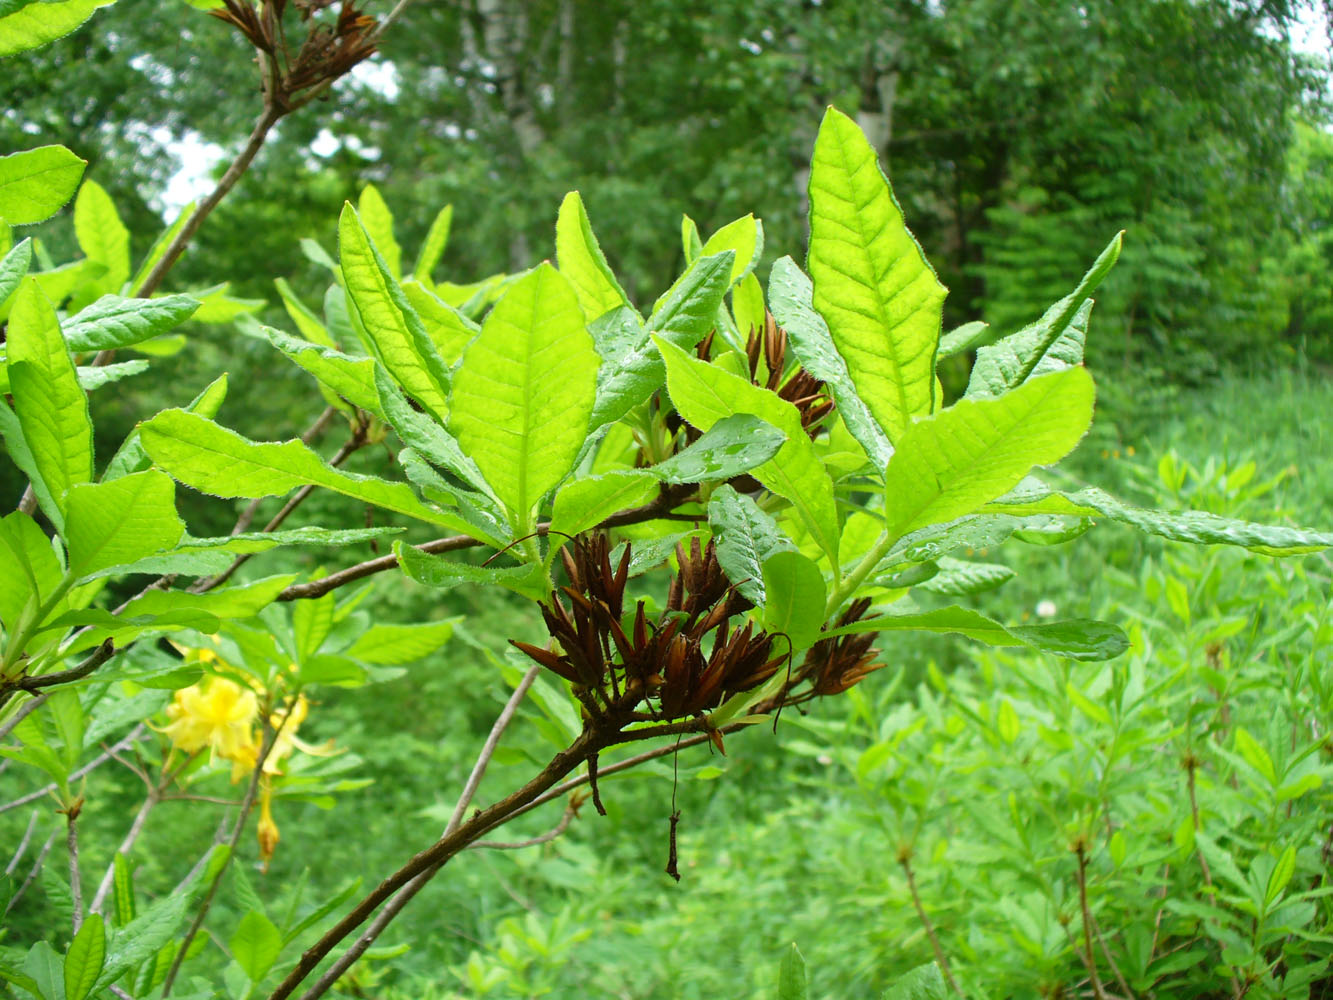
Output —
<point x="126" y="741"/>
<point x="150" y="802"/>
<point x="941" y="959"/>
<point x="387" y="21"/>
<point x="75" y="880"/>
<point x="656" y="510"/>
<point x="32" y="874"/>
<point x="517" y="845"/>
<point x="23" y="842"/>
<point x="394" y="906"/>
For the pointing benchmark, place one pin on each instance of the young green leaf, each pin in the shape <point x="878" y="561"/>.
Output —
<point x="213" y="459"/>
<point x="1036" y="349"/>
<point x="580" y="259"/>
<point x="951" y="463"/>
<point x="705" y="394"/>
<point x="446" y="326"/>
<point x="433" y="571"/>
<point x="633" y="370"/>
<point x="50" y="406"/>
<point x="925" y="982"/>
<point x="794" y="596"/>
<point x="524" y="392"/>
<point x="346" y="377"/>
<point x="791" y="297"/>
<point x="732" y="446"/>
<point x="35" y="183"/>
<point x="13" y="267"/>
<point x="791" y="976"/>
<point x="584" y="503"/>
<point x="746" y="539"/>
<point x="255" y="945"/>
<point x="378" y="223"/>
<point x="745" y="238"/>
<point x="112" y="321"/>
<point x="119" y="522"/>
<point x="102" y="236"/>
<point x="36" y="24"/>
<point x="130" y="456"/>
<point x="122" y="890"/>
<point x="432" y="247"/>
<point x="395" y="644"/>
<point x="394" y="333"/>
<point x="83" y="961"/>
<point x="873" y="286"/>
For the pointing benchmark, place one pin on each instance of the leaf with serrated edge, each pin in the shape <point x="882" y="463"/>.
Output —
<point x="118" y="522"/>
<point x="35" y="183"/>
<point x="745" y="238"/>
<point x="83" y="961"/>
<point x="1077" y="639"/>
<point x="442" y="573"/>
<point x="704" y="394"/>
<point x="925" y="982"/>
<point x="584" y="503"/>
<point x="51" y="407"/>
<point x="448" y="328"/>
<point x="790" y="296"/>
<point x="212" y="459"/>
<point x="378" y="223"/>
<point x="1016" y="358"/>
<point x="394" y="331"/>
<point x="580" y="259"/>
<point x="351" y="378"/>
<point x="13" y="267"/>
<point x="794" y="596"/>
<point x="791" y="976"/>
<point x="684" y="316"/>
<point x="432" y="247"/>
<point x="103" y="239"/>
<point x="951" y="463"/>
<point x="396" y="644"/>
<point x="873" y="285"/>
<point x="524" y="391"/>
<point x="255" y="945"/>
<point x="1194" y="526"/>
<point x="113" y="322"/>
<point x="732" y="446"/>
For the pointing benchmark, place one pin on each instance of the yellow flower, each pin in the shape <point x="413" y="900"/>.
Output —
<point x="215" y="713"/>
<point x="267" y="829"/>
<point x="284" y="743"/>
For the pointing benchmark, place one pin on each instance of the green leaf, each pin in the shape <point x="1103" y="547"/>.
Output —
<point x="34" y="571"/>
<point x="36" y="24"/>
<point x="794" y="597"/>
<point x="393" y="644"/>
<point x="35" y="183"/>
<point x="925" y="982"/>
<point x="951" y="463"/>
<point x="131" y="457"/>
<point x="1280" y="876"/>
<point x="747" y="302"/>
<point x="112" y="321"/>
<point x="213" y="459"/>
<point x="633" y="368"/>
<point x="349" y="378"/>
<point x="581" y="260"/>
<point x="746" y="538"/>
<point x="1188" y="526"/>
<point x="102" y="236"/>
<point x="121" y="521"/>
<point x="745" y="238"/>
<point x="1037" y="349"/>
<point x="873" y="286"/>
<point x="791" y="297"/>
<point x="582" y="504"/>
<point x="311" y="622"/>
<point x="50" y="406"/>
<point x="730" y="447"/>
<point x="13" y="267"/>
<point x="122" y="890"/>
<point x="143" y="937"/>
<point x="43" y="966"/>
<point x="791" y="976"/>
<point x="960" y="339"/>
<point x="22" y="980"/>
<point x="432" y="247"/>
<point x="308" y="325"/>
<point x="83" y="961"/>
<point x="959" y="578"/>
<point x="256" y="944"/>
<point x="94" y="378"/>
<point x="394" y="333"/>
<point x="524" y="392"/>
<point x="444" y="574"/>
<point x="1077" y="639"/>
<point x="446" y="326"/>
<point x="705" y="394"/>
<point x="378" y="223"/>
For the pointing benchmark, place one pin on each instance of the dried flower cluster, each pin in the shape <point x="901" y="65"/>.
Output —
<point x="328" y="51"/>
<point x="687" y="660"/>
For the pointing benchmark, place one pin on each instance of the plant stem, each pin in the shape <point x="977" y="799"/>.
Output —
<point x="394" y="906"/>
<point x="1089" y="957"/>
<point x="150" y="802"/>
<point x="857" y="576"/>
<point x="75" y="881"/>
<point x="905" y="859"/>
<point x="499" y="845"/>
